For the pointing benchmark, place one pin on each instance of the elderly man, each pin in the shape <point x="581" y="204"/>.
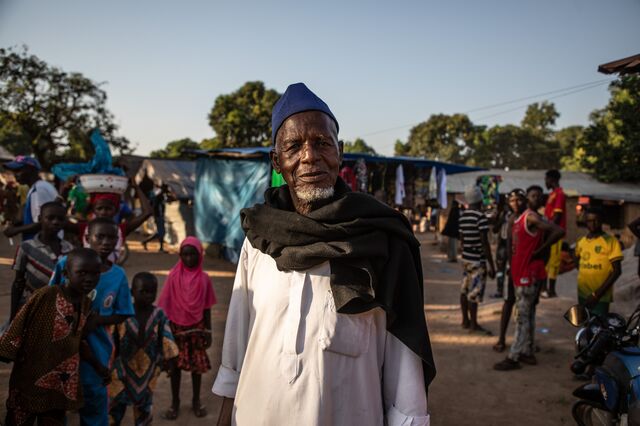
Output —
<point x="326" y="323"/>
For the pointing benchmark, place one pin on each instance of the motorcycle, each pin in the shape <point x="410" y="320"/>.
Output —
<point x="607" y="350"/>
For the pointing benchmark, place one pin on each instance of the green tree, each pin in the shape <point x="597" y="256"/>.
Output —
<point x="177" y="149"/>
<point x="243" y="118"/>
<point x="359" y="146"/>
<point x="211" y="143"/>
<point x="442" y="137"/>
<point x="540" y="118"/>
<point x="45" y="111"/>
<point x="611" y="143"/>
<point x="569" y="141"/>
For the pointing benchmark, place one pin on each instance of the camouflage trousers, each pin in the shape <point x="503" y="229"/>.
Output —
<point x="523" y="340"/>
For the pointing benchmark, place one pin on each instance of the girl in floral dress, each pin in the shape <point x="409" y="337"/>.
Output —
<point x="186" y="299"/>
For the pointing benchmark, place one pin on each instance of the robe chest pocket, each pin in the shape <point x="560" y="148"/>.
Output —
<point x="344" y="334"/>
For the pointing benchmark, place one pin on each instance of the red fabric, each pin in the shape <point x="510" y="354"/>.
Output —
<point x="187" y="292"/>
<point x="192" y="355"/>
<point x="524" y="270"/>
<point x="557" y="203"/>
<point x="96" y="196"/>
<point x="349" y="177"/>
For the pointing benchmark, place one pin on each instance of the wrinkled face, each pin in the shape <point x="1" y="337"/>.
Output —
<point x="52" y="218"/>
<point x="144" y="291"/>
<point x="103" y="238"/>
<point x="190" y="256"/>
<point x="308" y="155"/>
<point x="104" y="208"/>
<point x="83" y="273"/>
<point x="534" y="199"/>
<point x="594" y="224"/>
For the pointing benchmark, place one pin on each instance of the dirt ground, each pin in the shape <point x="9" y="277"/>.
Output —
<point x="466" y="391"/>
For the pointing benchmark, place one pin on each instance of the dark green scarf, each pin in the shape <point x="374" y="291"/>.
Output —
<point x="374" y="256"/>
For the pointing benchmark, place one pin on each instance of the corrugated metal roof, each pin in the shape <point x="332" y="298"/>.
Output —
<point x="574" y="184"/>
<point x="623" y="66"/>
<point x="180" y="175"/>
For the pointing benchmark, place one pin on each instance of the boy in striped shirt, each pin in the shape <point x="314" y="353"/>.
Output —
<point x="37" y="257"/>
<point x="476" y="256"/>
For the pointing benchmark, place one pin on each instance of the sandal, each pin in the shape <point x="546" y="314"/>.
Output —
<point x="171" y="413"/>
<point x="499" y="347"/>
<point x="199" y="410"/>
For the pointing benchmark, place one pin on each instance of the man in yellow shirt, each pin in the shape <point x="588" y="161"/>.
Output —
<point x="598" y="257"/>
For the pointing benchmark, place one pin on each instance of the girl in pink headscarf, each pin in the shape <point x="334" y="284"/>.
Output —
<point x="186" y="299"/>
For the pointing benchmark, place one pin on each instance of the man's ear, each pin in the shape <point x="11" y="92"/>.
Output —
<point x="340" y="149"/>
<point x="275" y="160"/>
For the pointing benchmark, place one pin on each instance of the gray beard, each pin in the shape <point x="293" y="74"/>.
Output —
<point x="310" y="195"/>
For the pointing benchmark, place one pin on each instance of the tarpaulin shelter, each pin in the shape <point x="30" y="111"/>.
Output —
<point x="180" y="177"/>
<point x="231" y="179"/>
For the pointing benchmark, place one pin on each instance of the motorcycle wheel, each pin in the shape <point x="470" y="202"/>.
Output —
<point x="587" y="413"/>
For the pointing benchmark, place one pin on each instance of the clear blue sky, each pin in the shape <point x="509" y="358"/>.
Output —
<point x="379" y="65"/>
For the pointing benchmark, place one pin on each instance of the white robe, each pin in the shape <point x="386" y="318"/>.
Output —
<point x="289" y="359"/>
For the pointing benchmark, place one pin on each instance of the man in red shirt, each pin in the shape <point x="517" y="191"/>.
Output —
<point x="555" y="211"/>
<point x="528" y="243"/>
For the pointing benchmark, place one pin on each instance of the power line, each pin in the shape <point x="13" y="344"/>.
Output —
<point x="597" y="83"/>
<point x="552" y="97"/>
<point x="572" y="89"/>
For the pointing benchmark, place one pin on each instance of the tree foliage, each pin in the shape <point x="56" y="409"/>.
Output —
<point x="442" y="137"/>
<point x="243" y="118"/>
<point x="611" y="143"/>
<point x="177" y="149"/>
<point x="48" y="112"/>
<point x="359" y="146"/>
<point x="540" y="118"/>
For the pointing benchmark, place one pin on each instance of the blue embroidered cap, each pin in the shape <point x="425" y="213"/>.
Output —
<point x="297" y="98"/>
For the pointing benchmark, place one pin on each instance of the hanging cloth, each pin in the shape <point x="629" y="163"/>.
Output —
<point x="400" y="193"/>
<point x="442" y="188"/>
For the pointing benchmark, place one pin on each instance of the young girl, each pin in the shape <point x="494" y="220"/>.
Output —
<point x="143" y="344"/>
<point x="43" y="342"/>
<point x="186" y="299"/>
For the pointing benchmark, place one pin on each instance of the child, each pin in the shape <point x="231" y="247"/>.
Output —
<point x="476" y="257"/>
<point x="599" y="257"/>
<point x="142" y="344"/>
<point x="37" y="257"/>
<point x="43" y="341"/>
<point x="186" y="299"/>
<point x="112" y="305"/>
<point x="106" y="205"/>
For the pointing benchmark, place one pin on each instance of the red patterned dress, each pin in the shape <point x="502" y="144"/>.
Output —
<point x="43" y="341"/>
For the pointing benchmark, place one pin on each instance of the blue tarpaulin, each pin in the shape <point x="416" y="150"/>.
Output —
<point x="100" y="163"/>
<point x="223" y="188"/>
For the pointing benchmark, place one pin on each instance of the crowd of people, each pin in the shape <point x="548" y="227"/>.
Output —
<point x="529" y="234"/>
<point x="75" y="323"/>
<point x="326" y="320"/>
<point x="327" y="301"/>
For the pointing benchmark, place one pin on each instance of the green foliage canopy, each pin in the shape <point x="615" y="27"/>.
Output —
<point x="611" y="143"/>
<point x="442" y="137"/>
<point x="48" y="112"/>
<point x="177" y="149"/>
<point x="243" y="118"/>
<point x="359" y="146"/>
